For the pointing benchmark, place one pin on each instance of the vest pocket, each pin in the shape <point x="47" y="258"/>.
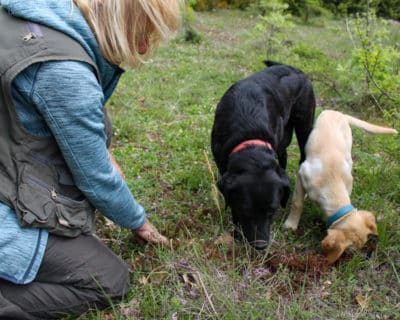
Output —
<point x="41" y="205"/>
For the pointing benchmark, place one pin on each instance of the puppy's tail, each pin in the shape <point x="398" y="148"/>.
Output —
<point x="369" y="127"/>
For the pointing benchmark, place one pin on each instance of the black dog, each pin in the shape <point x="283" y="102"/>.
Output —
<point x="253" y="126"/>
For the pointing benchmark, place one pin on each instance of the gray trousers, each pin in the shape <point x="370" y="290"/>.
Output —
<point x="76" y="274"/>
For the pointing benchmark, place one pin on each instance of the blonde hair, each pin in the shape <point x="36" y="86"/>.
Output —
<point x="120" y="25"/>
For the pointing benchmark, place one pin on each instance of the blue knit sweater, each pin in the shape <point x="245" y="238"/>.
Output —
<point x="64" y="99"/>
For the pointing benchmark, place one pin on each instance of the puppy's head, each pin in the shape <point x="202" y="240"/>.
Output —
<point x="254" y="187"/>
<point x="352" y="230"/>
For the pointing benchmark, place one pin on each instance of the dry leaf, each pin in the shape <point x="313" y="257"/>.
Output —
<point x="362" y="301"/>
<point x="225" y="240"/>
<point x="129" y="310"/>
<point x="327" y="283"/>
<point x="157" y="278"/>
<point x="143" y="280"/>
<point x="190" y="279"/>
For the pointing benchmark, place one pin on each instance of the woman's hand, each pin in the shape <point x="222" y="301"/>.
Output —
<point x="148" y="233"/>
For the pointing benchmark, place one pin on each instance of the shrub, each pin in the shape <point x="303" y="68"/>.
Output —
<point x="189" y="31"/>
<point x="375" y="63"/>
<point x="204" y="5"/>
<point x="306" y="8"/>
<point x="274" y="21"/>
<point x="384" y="8"/>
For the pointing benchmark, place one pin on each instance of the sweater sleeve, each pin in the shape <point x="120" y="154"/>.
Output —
<point x="69" y="97"/>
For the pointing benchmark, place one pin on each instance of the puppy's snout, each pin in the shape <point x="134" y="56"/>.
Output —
<point x="372" y="241"/>
<point x="370" y="245"/>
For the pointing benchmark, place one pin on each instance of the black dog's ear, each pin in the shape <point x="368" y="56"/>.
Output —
<point x="269" y="63"/>
<point x="224" y="184"/>
<point x="285" y="196"/>
<point x="285" y="188"/>
<point x="221" y="185"/>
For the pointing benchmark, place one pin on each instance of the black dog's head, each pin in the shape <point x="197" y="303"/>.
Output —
<point x="254" y="187"/>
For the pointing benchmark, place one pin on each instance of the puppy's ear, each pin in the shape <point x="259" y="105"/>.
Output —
<point x="334" y="245"/>
<point x="285" y="188"/>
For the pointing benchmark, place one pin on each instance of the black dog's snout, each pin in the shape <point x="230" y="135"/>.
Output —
<point x="259" y="244"/>
<point x="256" y="233"/>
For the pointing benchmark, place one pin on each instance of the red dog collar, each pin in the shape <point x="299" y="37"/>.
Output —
<point x="253" y="142"/>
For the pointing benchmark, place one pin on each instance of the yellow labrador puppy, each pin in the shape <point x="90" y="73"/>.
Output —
<point x="325" y="177"/>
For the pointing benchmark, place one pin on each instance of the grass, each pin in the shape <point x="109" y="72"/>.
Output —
<point x="162" y="116"/>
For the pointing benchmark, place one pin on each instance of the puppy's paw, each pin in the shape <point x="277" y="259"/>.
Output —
<point x="290" y="224"/>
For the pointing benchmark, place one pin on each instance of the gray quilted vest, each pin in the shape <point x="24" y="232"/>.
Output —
<point x="34" y="179"/>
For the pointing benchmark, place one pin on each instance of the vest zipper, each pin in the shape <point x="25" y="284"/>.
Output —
<point x="41" y="184"/>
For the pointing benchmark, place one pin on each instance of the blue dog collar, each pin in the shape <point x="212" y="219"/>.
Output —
<point x="340" y="213"/>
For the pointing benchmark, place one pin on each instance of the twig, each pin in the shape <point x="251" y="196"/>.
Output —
<point x="207" y="295"/>
<point x="213" y="185"/>
<point x="349" y="33"/>
<point x="209" y="167"/>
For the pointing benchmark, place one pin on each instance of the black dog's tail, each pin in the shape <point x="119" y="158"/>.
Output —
<point x="269" y="63"/>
